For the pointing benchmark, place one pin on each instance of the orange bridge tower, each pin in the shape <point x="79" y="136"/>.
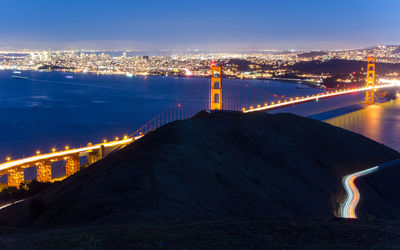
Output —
<point x="369" y="99"/>
<point x="216" y="88"/>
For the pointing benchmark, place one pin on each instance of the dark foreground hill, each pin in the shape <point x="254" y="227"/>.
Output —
<point x="219" y="165"/>
<point x="266" y="233"/>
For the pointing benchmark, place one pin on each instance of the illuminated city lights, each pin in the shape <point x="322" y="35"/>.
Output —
<point x="261" y="65"/>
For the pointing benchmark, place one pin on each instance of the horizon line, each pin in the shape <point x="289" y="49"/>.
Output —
<point x="6" y="49"/>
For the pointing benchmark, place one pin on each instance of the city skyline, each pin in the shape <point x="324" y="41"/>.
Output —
<point x="222" y="25"/>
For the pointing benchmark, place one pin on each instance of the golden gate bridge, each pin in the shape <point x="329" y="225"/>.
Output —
<point x="206" y="95"/>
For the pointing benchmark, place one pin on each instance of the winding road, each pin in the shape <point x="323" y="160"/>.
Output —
<point x="348" y="207"/>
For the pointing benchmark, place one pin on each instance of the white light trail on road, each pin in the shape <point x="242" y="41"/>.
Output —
<point x="348" y="207"/>
<point x="10" y="204"/>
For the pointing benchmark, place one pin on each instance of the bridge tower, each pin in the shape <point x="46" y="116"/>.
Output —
<point x="216" y="88"/>
<point x="369" y="99"/>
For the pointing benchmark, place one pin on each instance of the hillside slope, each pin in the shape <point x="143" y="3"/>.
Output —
<point x="218" y="165"/>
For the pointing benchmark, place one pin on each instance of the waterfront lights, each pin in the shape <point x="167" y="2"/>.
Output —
<point x="125" y="137"/>
<point x="117" y="138"/>
<point x="8" y="158"/>
<point x="105" y="140"/>
<point x="66" y="147"/>
<point x="53" y="149"/>
<point x="38" y="152"/>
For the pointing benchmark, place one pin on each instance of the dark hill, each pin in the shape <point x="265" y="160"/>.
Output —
<point x="312" y="54"/>
<point x="219" y="165"/>
<point x="341" y="67"/>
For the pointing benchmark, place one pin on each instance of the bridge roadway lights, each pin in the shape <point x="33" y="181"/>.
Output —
<point x="15" y="177"/>
<point x="73" y="164"/>
<point x="43" y="171"/>
<point x="15" y="170"/>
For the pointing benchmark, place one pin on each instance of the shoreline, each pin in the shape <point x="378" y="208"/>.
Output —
<point x="308" y="83"/>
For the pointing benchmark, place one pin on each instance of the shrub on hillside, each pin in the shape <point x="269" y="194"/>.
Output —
<point x="26" y="189"/>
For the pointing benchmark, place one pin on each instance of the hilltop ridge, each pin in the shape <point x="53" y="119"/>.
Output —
<point x="216" y="165"/>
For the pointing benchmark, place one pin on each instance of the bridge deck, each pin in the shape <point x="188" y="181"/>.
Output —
<point x="298" y="100"/>
<point x="55" y="155"/>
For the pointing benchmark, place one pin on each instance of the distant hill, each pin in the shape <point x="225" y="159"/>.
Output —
<point x="396" y="51"/>
<point x="218" y="165"/>
<point x="312" y="54"/>
<point x="339" y="66"/>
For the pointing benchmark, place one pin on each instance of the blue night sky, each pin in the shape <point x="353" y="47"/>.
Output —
<point x="223" y="24"/>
